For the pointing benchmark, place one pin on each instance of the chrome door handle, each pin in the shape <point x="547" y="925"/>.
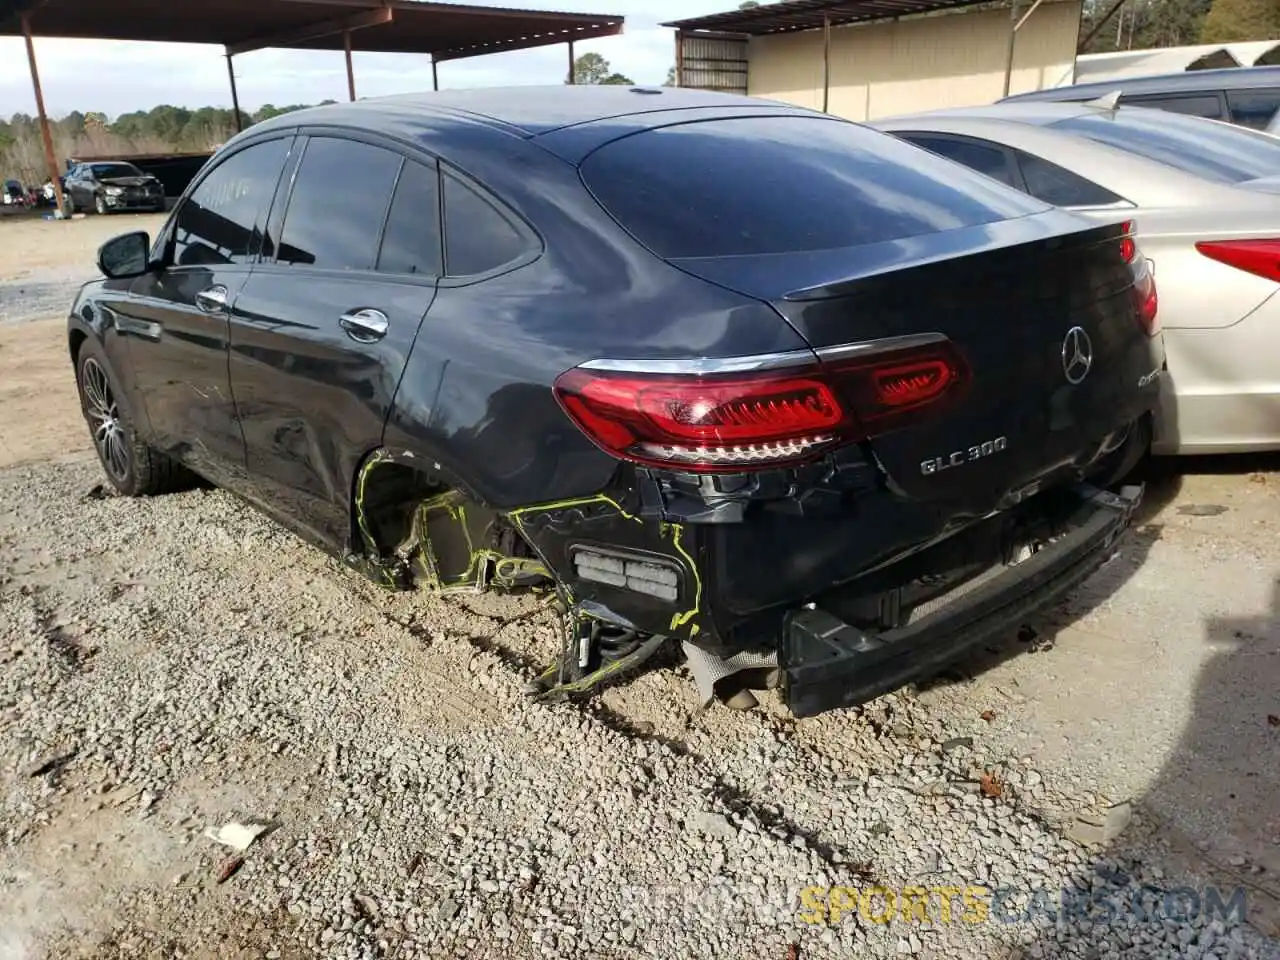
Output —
<point x="365" y="326"/>
<point x="213" y="300"/>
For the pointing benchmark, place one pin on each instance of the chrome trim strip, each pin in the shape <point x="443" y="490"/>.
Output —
<point x="869" y="348"/>
<point x="702" y="366"/>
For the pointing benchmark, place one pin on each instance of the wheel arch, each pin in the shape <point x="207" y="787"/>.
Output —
<point x="414" y="521"/>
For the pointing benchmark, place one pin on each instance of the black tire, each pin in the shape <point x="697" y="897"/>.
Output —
<point x="133" y="468"/>
<point x="69" y="203"/>
<point x="100" y="205"/>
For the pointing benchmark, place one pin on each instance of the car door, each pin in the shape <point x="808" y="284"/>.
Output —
<point x="177" y="318"/>
<point x="75" y="185"/>
<point x="325" y="323"/>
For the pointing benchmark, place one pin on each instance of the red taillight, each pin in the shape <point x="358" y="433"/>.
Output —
<point x="1128" y="247"/>
<point x="1259" y="257"/>
<point x="708" y="423"/>
<point x="1146" y="298"/>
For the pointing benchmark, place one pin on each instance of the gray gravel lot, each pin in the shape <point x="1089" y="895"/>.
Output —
<point x="177" y="664"/>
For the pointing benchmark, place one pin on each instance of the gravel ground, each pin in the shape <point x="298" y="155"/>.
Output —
<point x="178" y="664"/>
<point x="46" y="262"/>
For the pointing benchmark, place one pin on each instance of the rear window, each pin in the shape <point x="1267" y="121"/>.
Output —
<point x="763" y="185"/>
<point x="1215" y="151"/>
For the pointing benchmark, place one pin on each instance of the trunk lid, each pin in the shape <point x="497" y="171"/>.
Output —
<point x="1042" y="310"/>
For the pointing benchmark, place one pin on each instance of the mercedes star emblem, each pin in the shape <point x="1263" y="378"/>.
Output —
<point x="1077" y="355"/>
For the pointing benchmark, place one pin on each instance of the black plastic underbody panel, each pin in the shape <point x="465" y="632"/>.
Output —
<point x="829" y="664"/>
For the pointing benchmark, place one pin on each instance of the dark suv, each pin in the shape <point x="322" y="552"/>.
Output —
<point x="108" y="186"/>
<point x="1248" y="96"/>
<point x="770" y="383"/>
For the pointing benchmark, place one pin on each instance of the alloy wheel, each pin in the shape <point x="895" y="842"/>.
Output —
<point x="103" y="413"/>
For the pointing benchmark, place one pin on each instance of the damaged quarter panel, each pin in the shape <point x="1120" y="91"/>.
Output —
<point x="476" y="401"/>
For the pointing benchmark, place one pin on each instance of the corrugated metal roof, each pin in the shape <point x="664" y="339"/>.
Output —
<point x="1095" y="67"/>
<point x="792" y="15"/>
<point x="444" y="30"/>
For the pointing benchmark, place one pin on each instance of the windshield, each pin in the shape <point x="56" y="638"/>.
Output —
<point x="765" y="185"/>
<point x="101" y="170"/>
<point x="1205" y="148"/>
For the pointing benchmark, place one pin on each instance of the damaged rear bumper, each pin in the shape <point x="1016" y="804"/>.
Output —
<point x="828" y="663"/>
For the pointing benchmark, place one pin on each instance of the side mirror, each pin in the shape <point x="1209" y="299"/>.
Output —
<point x="127" y="255"/>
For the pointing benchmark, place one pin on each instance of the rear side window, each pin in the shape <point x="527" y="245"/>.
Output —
<point x="1253" y="108"/>
<point x="987" y="158"/>
<point x="1215" y="151"/>
<point x="478" y="236"/>
<point x="1054" y="184"/>
<point x="338" y="205"/>
<point x="1198" y="105"/>
<point x="217" y="223"/>
<point x="411" y="242"/>
<point x="763" y="185"/>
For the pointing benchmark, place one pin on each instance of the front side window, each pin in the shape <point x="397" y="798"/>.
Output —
<point x="338" y="205"/>
<point x="764" y="185"/>
<point x="217" y="223"/>
<point x="1214" y="151"/>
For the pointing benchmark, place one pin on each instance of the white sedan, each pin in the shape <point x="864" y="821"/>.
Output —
<point x="1205" y="197"/>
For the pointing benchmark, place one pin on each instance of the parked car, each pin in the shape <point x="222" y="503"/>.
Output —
<point x="734" y="373"/>
<point x="1206" y="200"/>
<point x="13" y="194"/>
<point x="110" y="186"/>
<point x="1248" y="96"/>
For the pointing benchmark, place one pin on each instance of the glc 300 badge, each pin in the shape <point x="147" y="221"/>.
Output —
<point x="960" y="457"/>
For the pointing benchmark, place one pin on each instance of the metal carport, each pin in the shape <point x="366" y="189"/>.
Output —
<point x="446" y="31"/>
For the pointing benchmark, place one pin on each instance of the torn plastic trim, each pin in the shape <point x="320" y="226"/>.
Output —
<point x="567" y="527"/>
<point x="419" y="529"/>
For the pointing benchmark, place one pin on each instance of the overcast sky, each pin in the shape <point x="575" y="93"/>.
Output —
<point x="118" y="77"/>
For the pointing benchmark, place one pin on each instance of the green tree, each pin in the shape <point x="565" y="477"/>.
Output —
<point x="747" y="4"/>
<point x="591" y="68"/>
<point x="1232" y="20"/>
<point x="671" y="77"/>
<point x="1143" y="24"/>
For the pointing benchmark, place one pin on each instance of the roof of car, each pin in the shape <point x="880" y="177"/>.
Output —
<point x="531" y="111"/>
<point x="1188" y="81"/>
<point x="1034" y="113"/>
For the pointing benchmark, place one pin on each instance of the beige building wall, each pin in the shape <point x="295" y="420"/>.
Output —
<point x="927" y="63"/>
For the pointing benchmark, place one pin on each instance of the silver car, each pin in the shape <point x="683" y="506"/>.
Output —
<point x="1206" y="200"/>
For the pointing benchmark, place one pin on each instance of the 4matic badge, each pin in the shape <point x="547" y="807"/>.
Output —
<point x="960" y="457"/>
